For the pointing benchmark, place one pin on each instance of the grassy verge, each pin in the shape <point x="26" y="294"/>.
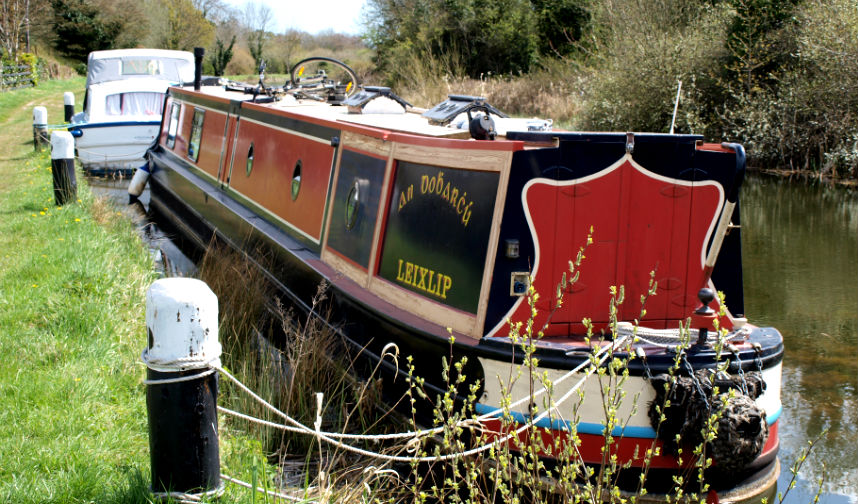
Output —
<point x="73" y="425"/>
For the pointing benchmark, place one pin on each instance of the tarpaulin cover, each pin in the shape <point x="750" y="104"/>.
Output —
<point x="161" y="64"/>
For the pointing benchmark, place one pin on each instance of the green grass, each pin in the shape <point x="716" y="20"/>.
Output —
<point x="72" y="281"/>
<point x="73" y="424"/>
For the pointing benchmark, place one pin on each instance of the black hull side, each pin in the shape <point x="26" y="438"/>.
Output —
<point x="203" y="212"/>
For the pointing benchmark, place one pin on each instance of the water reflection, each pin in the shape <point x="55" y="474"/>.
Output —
<point x="800" y="250"/>
<point x="167" y="256"/>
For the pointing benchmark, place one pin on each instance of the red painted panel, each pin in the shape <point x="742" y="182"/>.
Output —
<point x="269" y="183"/>
<point x="641" y="222"/>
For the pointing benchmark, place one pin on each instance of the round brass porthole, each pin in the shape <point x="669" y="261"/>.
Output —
<point x="249" y="159"/>
<point x="352" y="205"/>
<point x="296" y="180"/>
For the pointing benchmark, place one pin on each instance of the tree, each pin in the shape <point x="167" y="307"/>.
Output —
<point x="221" y="55"/>
<point x="257" y="18"/>
<point x="215" y="11"/>
<point x="81" y="29"/>
<point x="83" y="26"/>
<point x="481" y="36"/>
<point x="13" y="20"/>
<point x="562" y="24"/>
<point x="186" y="26"/>
<point x="756" y="43"/>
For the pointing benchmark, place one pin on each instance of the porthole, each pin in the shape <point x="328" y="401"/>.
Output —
<point x="352" y="206"/>
<point x="249" y="160"/>
<point x="296" y="180"/>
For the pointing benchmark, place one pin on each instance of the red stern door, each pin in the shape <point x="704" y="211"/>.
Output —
<point x="641" y="222"/>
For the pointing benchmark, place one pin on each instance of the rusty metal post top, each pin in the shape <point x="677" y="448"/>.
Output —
<point x="182" y="325"/>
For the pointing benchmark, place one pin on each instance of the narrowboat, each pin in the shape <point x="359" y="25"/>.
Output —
<point x="450" y="231"/>
<point x="122" y="107"/>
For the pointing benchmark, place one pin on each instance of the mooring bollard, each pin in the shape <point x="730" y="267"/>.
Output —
<point x="182" y="384"/>
<point x="68" y="102"/>
<point x="62" y="167"/>
<point x="40" y="127"/>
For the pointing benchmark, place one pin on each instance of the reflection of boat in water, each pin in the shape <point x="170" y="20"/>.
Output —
<point x="122" y="109"/>
<point x="437" y="224"/>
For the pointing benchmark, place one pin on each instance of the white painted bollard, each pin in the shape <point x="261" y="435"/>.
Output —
<point x="68" y="105"/>
<point x="62" y="167"/>
<point x="181" y="397"/>
<point x="40" y="127"/>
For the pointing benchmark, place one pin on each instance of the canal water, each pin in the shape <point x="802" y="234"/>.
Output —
<point x="800" y="251"/>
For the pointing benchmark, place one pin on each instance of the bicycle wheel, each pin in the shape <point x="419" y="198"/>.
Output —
<point x="323" y="78"/>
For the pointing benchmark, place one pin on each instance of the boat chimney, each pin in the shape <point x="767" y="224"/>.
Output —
<point x="199" y="52"/>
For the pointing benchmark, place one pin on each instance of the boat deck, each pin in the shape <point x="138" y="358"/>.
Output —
<point x="382" y="114"/>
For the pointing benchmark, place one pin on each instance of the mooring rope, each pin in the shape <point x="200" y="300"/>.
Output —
<point x="331" y="438"/>
<point x="180" y="379"/>
<point x="186" y="498"/>
<point x="666" y="338"/>
<point x="401" y="435"/>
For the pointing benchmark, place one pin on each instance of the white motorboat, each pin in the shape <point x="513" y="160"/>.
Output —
<point x="123" y="105"/>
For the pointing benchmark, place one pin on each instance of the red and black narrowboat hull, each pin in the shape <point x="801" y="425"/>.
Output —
<point x="432" y="240"/>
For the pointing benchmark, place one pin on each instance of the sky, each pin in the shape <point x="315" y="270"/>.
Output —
<point x="312" y="16"/>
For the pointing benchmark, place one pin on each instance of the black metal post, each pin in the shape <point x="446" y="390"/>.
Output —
<point x="62" y="167"/>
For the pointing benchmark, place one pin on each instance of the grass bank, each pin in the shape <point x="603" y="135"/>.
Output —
<point x="73" y="425"/>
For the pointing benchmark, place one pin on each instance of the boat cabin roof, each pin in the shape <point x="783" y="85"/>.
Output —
<point x="382" y="113"/>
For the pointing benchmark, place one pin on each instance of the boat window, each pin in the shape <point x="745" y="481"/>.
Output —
<point x="142" y="67"/>
<point x="196" y="134"/>
<point x="174" y="125"/>
<point x="140" y="103"/>
<point x="249" y="159"/>
<point x="296" y="180"/>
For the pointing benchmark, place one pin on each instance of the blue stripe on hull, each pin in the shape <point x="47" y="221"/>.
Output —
<point x="592" y="428"/>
